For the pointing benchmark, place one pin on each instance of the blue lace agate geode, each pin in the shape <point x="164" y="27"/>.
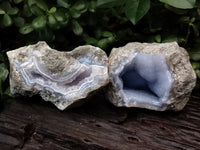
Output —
<point x="62" y="78"/>
<point x="153" y="76"/>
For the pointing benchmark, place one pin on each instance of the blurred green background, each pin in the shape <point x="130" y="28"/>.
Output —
<point x="66" y="24"/>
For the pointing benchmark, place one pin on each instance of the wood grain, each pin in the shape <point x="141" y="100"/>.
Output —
<point x="31" y="124"/>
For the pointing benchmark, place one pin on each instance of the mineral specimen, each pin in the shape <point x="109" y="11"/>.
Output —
<point x="62" y="78"/>
<point x="153" y="76"/>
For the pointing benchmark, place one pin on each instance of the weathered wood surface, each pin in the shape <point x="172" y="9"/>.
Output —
<point x="31" y="124"/>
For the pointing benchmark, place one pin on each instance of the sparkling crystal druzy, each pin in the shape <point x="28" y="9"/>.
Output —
<point x="62" y="78"/>
<point x="152" y="76"/>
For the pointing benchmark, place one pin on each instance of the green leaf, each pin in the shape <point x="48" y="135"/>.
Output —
<point x="76" y="27"/>
<point x="52" y="10"/>
<point x="75" y="13"/>
<point x="92" y="6"/>
<point x="183" y="4"/>
<point x="176" y="10"/>
<point x="7" y="21"/>
<point x="136" y="9"/>
<point x="37" y="6"/>
<point x="107" y="34"/>
<point x="39" y="22"/>
<point x="3" y="73"/>
<point x="36" y="10"/>
<point x="19" y="21"/>
<point x="157" y="38"/>
<point x="27" y="10"/>
<point x="91" y="40"/>
<point x="110" y="3"/>
<point x="195" y="65"/>
<point x="42" y="5"/>
<point x="52" y="21"/>
<point x="81" y="6"/>
<point x="26" y="29"/>
<point x="18" y="1"/>
<point x="60" y="16"/>
<point x="66" y="19"/>
<point x="63" y="3"/>
<point x="2" y="12"/>
<point x="103" y="43"/>
<point x="31" y="2"/>
<point x="111" y="39"/>
<point x="13" y="11"/>
<point x="8" y="92"/>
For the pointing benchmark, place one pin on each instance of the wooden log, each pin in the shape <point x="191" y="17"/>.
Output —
<point x="32" y="124"/>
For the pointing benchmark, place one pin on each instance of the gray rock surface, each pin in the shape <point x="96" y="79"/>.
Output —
<point x="153" y="76"/>
<point x="62" y="78"/>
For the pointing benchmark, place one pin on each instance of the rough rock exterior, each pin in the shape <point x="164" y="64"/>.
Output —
<point x="174" y="85"/>
<point x="62" y="78"/>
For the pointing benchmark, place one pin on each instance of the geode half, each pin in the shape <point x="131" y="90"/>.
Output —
<point x="62" y="78"/>
<point x="153" y="76"/>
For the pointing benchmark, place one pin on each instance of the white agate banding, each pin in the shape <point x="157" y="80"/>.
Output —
<point x="62" y="78"/>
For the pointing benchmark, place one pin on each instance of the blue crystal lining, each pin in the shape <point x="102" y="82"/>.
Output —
<point x="146" y="79"/>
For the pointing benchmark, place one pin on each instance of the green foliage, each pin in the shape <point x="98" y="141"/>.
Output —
<point x="62" y="13"/>
<point x="3" y="76"/>
<point x="3" y="72"/>
<point x="183" y="4"/>
<point x="63" y="3"/>
<point x="136" y="9"/>
<point x="40" y="15"/>
<point x="7" y="20"/>
<point x="17" y="1"/>
<point x="110" y="3"/>
<point x="27" y="28"/>
<point x="78" y="30"/>
<point x="39" y="22"/>
<point x="103" y="40"/>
